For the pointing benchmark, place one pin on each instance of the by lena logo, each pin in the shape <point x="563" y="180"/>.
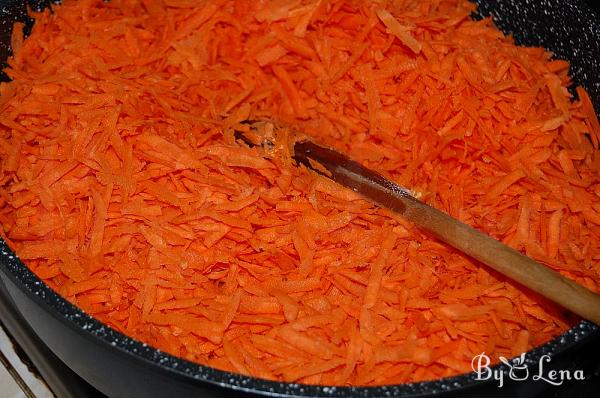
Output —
<point x="519" y="371"/>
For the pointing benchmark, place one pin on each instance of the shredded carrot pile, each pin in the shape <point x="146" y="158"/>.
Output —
<point x="122" y="190"/>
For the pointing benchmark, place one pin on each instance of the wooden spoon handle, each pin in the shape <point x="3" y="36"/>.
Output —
<point x="463" y="237"/>
<point x="505" y="260"/>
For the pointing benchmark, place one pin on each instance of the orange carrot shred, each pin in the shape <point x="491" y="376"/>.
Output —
<point x="401" y="32"/>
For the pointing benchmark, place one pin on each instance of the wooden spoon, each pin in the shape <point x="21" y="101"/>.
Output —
<point x="385" y="193"/>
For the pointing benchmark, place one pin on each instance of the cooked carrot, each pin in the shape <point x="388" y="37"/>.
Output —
<point x="290" y="90"/>
<point x="270" y="55"/>
<point x="123" y="189"/>
<point x="401" y="32"/>
<point x="553" y="239"/>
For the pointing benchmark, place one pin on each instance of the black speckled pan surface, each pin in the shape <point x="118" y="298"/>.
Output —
<point x="122" y="367"/>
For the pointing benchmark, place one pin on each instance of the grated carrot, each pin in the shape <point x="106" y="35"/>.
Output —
<point x="123" y="191"/>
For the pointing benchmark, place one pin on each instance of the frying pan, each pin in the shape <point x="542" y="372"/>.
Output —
<point x="123" y="367"/>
